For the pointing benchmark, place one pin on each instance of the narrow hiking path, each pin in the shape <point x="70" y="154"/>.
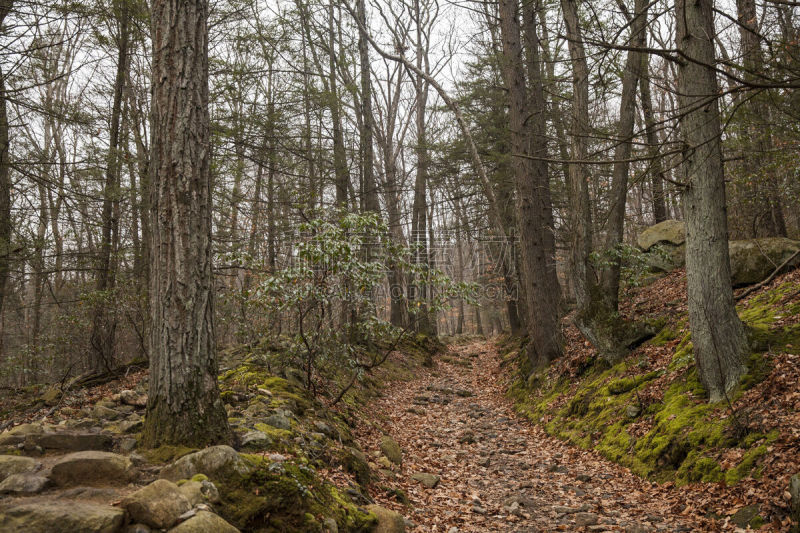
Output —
<point x="499" y="472"/>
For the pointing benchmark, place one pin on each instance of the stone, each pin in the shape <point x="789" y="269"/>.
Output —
<point x="133" y="398"/>
<point x="23" y="484"/>
<point x="428" y="481"/>
<point x="127" y="444"/>
<point x="204" y="522"/>
<point x="391" y="450"/>
<point x="324" y="428"/>
<point x="101" y="412"/>
<point x="71" y="441"/>
<point x="255" y="440"/>
<point x="52" y="396"/>
<point x="329" y="526"/>
<point x="388" y="521"/>
<point x="632" y="411"/>
<point x="669" y="231"/>
<point x="14" y="464"/>
<point x="217" y="462"/>
<point x="745" y="515"/>
<point x="157" y="505"/>
<point x="92" y="468"/>
<point x="585" y="519"/>
<point x="754" y="259"/>
<point x="200" y="492"/>
<point x="17" y="434"/>
<point x="794" y="492"/>
<point x="384" y="462"/>
<point x="355" y="462"/>
<point x="61" y="517"/>
<point x="279" y="421"/>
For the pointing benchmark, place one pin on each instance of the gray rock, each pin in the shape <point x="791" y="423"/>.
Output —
<point x="632" y="411"/>
<point x="101" y="412"/>
<point x="204" y="522"/>
<point x="755" y="259"/>
<point x="279" y="421"/>
<point x="14" y="464"/>
<point x="23" y="484"/>
<point x="127" y="444"/>
<point x="92" y="468"/>
<point x="61" y="517"/>
<point x="17" y="434"/>
<point x="71" y="441"/>
<point x="794" y="491"/>
<point x="427" y="480"/>
<point x="585" y="519"/>
<point x="256" y="440"/>
<point x="745" y="515"/>
<point x="157" y="505"/>
<point x="133" y="398"/>
<point x="200" y="492"/>
<point x="329" y="526"/>
<point x="388" y="521"/>
<point x="669" y="231"/>
<point x="391" y="450"/>
<point x="324" y="428"/>
<point x="217" y="462"/>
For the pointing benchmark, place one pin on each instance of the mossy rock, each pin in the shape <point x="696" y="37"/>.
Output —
<point x="669" y="231"/>
<point x="355" y="462"/>
<point x="278" y="497"/>
<point x="754" y="259"/>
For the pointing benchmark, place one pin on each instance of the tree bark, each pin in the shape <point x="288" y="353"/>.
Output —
<point x="534" y="210"/>
<point x="718" y="335"/>
<point x="184" y="405"/>
<point x="5" y="180"/>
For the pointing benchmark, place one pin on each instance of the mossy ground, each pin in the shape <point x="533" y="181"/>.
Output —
<point x="289" y="495"/>
<point x="655" y="418"/>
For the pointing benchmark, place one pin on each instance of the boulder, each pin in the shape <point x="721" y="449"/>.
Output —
<point x="671" y="232"/>
<point x="14" y="464"/>
<point x="794" y="491"/>
<point x="355" y="462"/>
<point x="204" y="522"/>
<point x="217" y="462"/>
<point x="71" y="441"/>
<point x="92" y="468"/>
<point x="256" y="440"/>
<point x="17" y="434"/>
<point x="279" y="421"/>
<point x="61" y="517"/>
<point x="388" y="521"/>
<point x="200" y="492"/>
<point x="157" y="505"/>
<point x="429" y="481"/>
<point x="101" y="412"/>
<point x="23" y="484"/>
<point x="391" y="450"/>
<point x="133" y="398"/>
<point x="755" y="259"/>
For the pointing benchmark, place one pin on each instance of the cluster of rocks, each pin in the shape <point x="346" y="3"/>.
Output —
<point x="78" y="479"/>
<point x="752" y="260"/>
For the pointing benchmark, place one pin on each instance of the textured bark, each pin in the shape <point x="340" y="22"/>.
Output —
<point x="534" y="210"/>
<point x="622" y="153"/>
<point x="104" y="322"/>
<point x="5" y="180"/>
<point x="366" y="132"/>
<point x="184" y="405"/>
<point x="656" y="168"/>
<point x="718" y="335"/>
<point x="339" y="153"/>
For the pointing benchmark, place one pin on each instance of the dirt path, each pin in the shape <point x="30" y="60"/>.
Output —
<point x="498" y="471"/>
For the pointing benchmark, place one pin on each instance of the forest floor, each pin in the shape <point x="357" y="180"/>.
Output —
<point x="498" y="471"/>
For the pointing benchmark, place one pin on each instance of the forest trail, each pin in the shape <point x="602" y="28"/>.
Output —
<point x="498" y="471"/>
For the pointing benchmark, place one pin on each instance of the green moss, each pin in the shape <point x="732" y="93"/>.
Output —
<point x="279" y="497"/>
<point x="745" y="467"/>
<point x="166" y="453"/>
<point x="665" y="336"/>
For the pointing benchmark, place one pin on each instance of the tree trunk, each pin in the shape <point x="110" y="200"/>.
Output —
<point x="718" y="335"/>
<point x="622" y="153"/>
<point x="660" y="213"/>
<point x="534" y="211"/>
<point x="5" y="181"/>
<point x="104" y="323"/>
<point x="184" y="405"/>
<point x="339" y="153"/>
